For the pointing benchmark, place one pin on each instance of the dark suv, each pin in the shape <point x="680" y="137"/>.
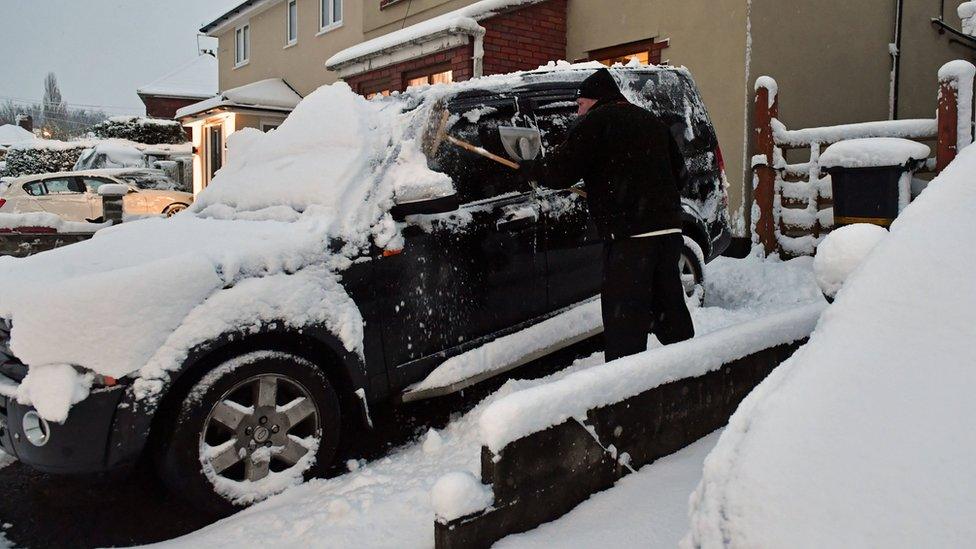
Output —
<point x="262" y="406"/>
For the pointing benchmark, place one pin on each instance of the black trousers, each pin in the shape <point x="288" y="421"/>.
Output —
<point x="642" y="294"/>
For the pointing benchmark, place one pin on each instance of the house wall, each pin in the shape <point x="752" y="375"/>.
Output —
<point x="924" y="50"/>
<point x="830" y="59"/>
<point x="301" y="65"/>
<point x="165" y="107"/>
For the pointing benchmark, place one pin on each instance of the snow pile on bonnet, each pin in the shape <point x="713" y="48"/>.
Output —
<point x="345" y="172"/>
<point x="864" y="437"/>
<point x="842" y="252"/>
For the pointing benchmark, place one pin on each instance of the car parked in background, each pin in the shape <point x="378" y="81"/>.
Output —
<point x="73" y="196"/>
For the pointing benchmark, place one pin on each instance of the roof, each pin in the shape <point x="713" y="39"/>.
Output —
<point x="460" y="21"/>
<point x="232" y="14"/>
<point x="273" y="94"/>
<point x="10" y="134"/>
<point x="195" y="79"/>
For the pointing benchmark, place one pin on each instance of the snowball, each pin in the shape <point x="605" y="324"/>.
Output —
<point x="875" y="151"/>
<point x="842" y="252"/>
<point x="459" y="494"/>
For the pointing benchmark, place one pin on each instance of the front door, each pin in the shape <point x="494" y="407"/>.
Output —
<point x="463" y="278"/>
<point x="214" y="159"/>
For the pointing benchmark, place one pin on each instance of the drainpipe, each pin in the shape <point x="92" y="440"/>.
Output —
<point x="478" y="70"/>
<point x="895" y="50"/>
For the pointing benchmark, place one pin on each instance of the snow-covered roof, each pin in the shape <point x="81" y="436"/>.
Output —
<point x="460" y="21"/>
<point x="10" y="134"/>
<point x="864" y="437"/>
<point x="195" y="79"/>
<point x="230" y="16"/>
<point x="273" y="94"/>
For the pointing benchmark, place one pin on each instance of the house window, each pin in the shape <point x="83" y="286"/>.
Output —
<point x="330" y="14"/>
<point x="437" y="77"/>
<point x="647" y="52"/>
<point x="291" y="23"/>
<point x="242" y="45"/>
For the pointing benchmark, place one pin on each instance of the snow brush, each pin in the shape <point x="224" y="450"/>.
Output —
<point x="434" y="139"/>
<point x="436" y="134"/>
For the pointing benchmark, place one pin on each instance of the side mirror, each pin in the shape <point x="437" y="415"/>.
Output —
<point x="521" y="144"/>
<point x="442" y="204"/>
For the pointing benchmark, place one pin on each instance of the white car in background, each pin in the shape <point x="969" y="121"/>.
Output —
<point x="73" y="196"/>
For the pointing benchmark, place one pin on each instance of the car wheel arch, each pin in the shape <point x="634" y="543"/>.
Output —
<point x="343" y="369"/>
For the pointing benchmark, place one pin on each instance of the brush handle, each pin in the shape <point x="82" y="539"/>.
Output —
<point x="481" y="152"/>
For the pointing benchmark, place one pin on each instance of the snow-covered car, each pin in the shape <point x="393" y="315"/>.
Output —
<point x="73" y="196"/>
<point x="331" y="265"/>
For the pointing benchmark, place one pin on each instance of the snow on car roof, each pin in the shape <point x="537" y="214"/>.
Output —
<point x="864" y="437"/>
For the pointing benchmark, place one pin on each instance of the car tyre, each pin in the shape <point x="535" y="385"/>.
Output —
<point x="247" y="430"/>
<point x="691" y="265"/>
<point x="174" y="209"/>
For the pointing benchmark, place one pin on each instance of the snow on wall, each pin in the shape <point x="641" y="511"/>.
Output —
<point x="536" y="409"/>
<point x="867" y="428"/>
<point x="461" y="20"/>
<point x="13" y="221"/>
<point x="967" y="12"/>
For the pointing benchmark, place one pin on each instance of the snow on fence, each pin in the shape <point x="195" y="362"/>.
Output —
<point x="792" y="204"/>
<point x="547" y="449"/>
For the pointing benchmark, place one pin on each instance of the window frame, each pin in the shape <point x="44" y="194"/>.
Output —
<point x="242" y="45"/>
<point x="651" y="46"/>
<point x="291" y="21"/>
<point x="327" y="16"/>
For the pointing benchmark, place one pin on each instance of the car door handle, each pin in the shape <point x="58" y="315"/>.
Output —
<point x="515" y="224"/>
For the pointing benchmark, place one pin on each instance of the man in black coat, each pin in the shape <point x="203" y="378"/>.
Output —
<point x="634" y="173"/>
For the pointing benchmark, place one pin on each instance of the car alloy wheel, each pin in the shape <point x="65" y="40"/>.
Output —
<point x="691" y="268"/>
<point x="174" y="209"/>
<point x="264" y="425"/>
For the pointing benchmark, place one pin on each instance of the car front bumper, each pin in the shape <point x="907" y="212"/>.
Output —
<point x="85" y="443"/>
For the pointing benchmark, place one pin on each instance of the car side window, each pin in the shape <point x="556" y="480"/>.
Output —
<point x="476" y="177"/>
<point x="66" y="185"/>
<point x="554" y="119"/>
<point x="35" y="188"/>
<point x="92" y="185"/>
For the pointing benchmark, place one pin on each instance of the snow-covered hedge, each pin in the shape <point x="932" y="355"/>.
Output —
<point x="142" y="130"/>
<point x="42" y="157"/>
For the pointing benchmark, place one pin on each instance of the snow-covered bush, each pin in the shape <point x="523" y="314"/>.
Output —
<point x="41" y="157"/>
<point x="142" y="130"/>
<point x="842" y="252"/>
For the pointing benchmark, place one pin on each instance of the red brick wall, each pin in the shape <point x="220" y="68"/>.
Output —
<point x="518" y="40"/>
<point x="394" y="77"/>
<point x="164" y="107"/>
<point x="526" y="38"/>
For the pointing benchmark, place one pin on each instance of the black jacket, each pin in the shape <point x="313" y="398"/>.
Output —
<point x="631" y="165"/>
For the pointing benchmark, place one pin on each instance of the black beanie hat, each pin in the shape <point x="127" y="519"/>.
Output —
<point x="600" y="86"/>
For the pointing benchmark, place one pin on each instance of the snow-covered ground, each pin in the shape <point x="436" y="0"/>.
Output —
<point x="646" y="509"/>
<point x="386" y="503"/>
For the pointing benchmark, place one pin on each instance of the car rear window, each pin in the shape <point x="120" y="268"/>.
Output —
<point x="674" y="98"/>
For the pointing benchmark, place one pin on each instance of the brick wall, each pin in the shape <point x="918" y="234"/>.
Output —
<point x="518" y="40"/>
<point x="394" y="77"/>
<point x="164" y="107"/>
<point x="526" y="38"/>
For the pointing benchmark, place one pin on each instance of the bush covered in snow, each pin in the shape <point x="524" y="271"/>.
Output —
<point x="151" y="131"/>
<point x="41" y="157"/>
